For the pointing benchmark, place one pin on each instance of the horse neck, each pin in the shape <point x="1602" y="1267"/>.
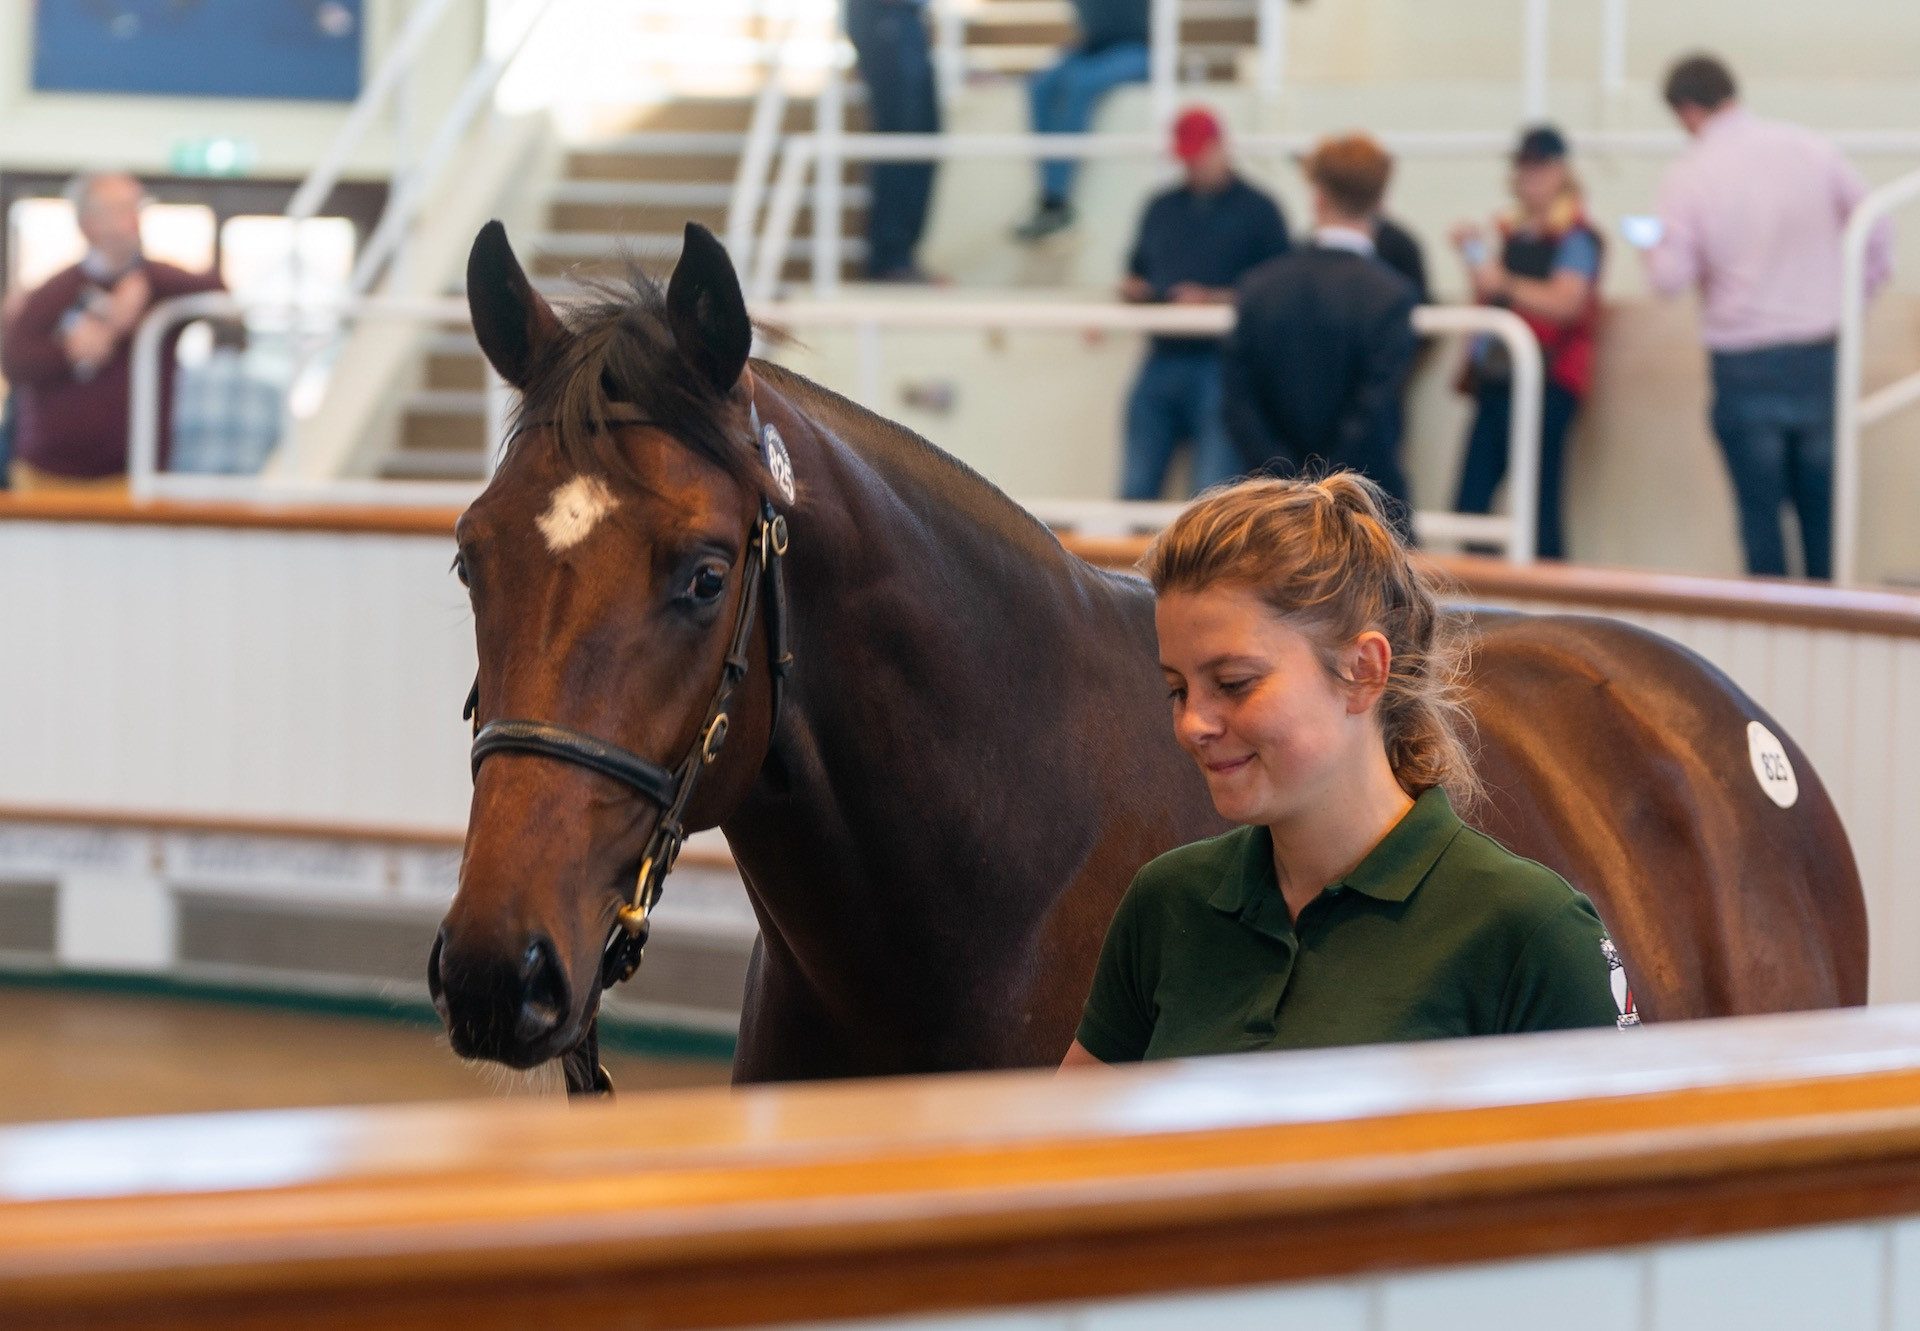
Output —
<point x="942" y="639"/>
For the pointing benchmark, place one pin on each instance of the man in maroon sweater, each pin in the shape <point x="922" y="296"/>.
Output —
<point x="66" y="350"/>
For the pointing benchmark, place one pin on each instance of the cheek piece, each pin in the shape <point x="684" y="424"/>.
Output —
<point x="669" y="788"/>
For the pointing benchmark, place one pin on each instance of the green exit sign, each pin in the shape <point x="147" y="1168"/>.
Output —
<point x="212" y="157"/>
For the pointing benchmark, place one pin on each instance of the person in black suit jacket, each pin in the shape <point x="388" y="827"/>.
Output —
<point x="1323" y="336"/>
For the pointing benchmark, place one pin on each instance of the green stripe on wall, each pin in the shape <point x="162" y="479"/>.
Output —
<point x="617" y="1035"/>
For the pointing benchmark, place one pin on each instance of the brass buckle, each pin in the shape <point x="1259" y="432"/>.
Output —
<point x="773" y="538"/>
<point x="715" y="737"/>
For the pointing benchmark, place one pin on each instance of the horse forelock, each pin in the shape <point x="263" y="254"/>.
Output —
<point x="619" y="352"/>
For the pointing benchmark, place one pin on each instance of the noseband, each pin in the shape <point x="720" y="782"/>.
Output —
<point x="671" y="789"/>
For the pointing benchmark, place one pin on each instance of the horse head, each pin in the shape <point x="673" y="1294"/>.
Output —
<point x="614" y="563"/>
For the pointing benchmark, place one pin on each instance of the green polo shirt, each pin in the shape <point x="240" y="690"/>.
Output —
<point x="1440" y="931"/>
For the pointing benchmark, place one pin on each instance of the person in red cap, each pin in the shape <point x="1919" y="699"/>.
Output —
<point x="1195" y="241"/>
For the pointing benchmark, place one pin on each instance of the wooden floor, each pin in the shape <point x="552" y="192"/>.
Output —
<point x="76" y="1054"/>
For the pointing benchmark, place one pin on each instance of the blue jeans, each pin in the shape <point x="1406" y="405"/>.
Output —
<point x="1773" y="413"/>
<point x="890" y="43"/>
<point x="1486" y="462"/>
<point x="1175" y="400"/>
<point x="1063" y="98"/>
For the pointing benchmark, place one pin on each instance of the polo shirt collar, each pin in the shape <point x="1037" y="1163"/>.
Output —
<point x="1391" y="871"/>
<point x="1409" y="850"/>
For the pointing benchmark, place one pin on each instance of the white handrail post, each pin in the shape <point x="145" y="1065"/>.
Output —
<point x="828" y="171"/>
<point x="769" y="117"/>
<point x="769" y="257"/>
<point x="1271" y="36"/>
<point x="1849" y="369"/>
<point x="1523" y="439"/>
<point x="407" y="46"/>
<point x="949" y="49"/>
<point x="1163" y="61"/>
<point x="1535" y="52"/>
<point x="1613" y="47"/>
<point x="868" y="353"/>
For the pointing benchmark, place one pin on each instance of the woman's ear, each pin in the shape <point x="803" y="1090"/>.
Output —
<point x="1369" y="660"/>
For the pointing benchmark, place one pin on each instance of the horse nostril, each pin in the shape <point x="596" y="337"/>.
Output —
<point x="435" y="989"/>
<point x="543" y="990"/>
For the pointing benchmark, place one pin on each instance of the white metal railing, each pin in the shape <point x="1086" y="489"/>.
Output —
<point x="410" y="190"/>
<point x="1515" y="531"/>
<point x="1853" y="412"/>
<point x="391" y="86"/>
<point x="804" y="156"/>
<point x="763" y="135"/>
<point x="283" y="481"/>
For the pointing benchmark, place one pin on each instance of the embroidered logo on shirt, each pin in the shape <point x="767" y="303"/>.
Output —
<point x="1622" y="991"/>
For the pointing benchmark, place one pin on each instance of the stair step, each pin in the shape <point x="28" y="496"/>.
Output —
<point x="443" y="464"/>
<point x="588" y="245"/>
<point x="607" y="219"/>
<point x="463" y="369"/>
<point x="451" y="342"/>
<point x="447" y="402"/>
<point x="659" y="193"/>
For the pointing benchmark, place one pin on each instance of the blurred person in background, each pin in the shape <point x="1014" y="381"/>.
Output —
<point x="890" y="45"/>
<point x="1063" y="97"/>
<point x="1752" y="214"/>
<point x="1323" y="338"/>
<point x="67" y="349"/>
<point x="1542" y="261"/>
<point x="1196" y="240"/>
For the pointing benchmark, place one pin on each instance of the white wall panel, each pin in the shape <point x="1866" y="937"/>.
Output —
<point x="1832" y="1279"/>
<point x="319" y="677"/>
<point x="1592" y="1292"/>
<point x="291" y="675"/>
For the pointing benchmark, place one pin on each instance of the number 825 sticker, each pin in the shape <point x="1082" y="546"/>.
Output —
<point x="1771" y="766"/>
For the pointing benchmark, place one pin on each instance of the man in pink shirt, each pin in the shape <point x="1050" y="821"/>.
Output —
<point x="1752" y="215"/>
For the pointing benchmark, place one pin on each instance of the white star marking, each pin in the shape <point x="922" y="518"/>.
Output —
<point x="576" y="510"/>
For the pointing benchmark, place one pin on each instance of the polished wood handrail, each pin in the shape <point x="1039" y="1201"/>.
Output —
<point x="1760" y="600"/>
<point x="710" y="1208"/>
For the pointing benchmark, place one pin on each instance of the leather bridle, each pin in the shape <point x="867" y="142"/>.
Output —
<point x="670" y="788"/>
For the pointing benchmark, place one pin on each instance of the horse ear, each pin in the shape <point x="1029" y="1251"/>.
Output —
<point x="512" y="322"/>
<point x="707" y="311"/>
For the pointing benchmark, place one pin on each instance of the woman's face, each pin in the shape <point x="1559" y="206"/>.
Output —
<point x="1273" y="731"/>
<point x="1537" y="184"/>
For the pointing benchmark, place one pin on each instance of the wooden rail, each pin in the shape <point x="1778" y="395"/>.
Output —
<point x="709" y="1208"/>
<point x="1762" y="600"/>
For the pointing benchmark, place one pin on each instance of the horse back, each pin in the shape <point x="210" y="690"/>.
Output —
<point x="1621" y="760"/>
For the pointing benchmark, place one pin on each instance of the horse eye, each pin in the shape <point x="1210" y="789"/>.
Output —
<point x="709" y="580"/>
<point x="460" y="570"/>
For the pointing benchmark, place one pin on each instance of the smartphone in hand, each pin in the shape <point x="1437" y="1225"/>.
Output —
<point x="1641" y="231"/>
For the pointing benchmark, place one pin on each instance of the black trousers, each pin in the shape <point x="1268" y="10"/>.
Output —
<point x="890" y="42"/>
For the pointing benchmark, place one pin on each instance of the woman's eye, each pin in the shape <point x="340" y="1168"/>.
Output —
<point x="709" y="580"/>
<point x="1176" y="693"/>
<point x="1235" y="687"/>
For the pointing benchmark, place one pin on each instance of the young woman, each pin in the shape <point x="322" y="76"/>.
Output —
<point x="1545" y="267"/>
<point x="1312" y="680"/>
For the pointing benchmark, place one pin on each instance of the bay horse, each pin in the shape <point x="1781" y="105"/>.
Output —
<point x="943" y="743"/>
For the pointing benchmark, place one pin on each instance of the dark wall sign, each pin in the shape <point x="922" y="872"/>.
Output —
<point x="302" y="49"/>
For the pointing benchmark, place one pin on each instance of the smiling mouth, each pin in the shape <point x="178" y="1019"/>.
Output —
<point x="1228" y="768"/>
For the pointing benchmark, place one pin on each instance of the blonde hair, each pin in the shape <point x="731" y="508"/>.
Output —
<point x="1324" y="555"/>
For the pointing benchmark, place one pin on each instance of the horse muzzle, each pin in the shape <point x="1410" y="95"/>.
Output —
<point x="507" y="1005"/>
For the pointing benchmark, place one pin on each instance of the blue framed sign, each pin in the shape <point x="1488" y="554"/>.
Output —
<point x="306" y="50"/>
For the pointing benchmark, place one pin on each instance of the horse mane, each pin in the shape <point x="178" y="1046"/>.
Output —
<point x="620" y="349"/>
<point x="863" y="427"/>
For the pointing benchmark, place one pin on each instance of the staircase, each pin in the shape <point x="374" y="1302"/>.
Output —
<point x="623" y="200"/>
